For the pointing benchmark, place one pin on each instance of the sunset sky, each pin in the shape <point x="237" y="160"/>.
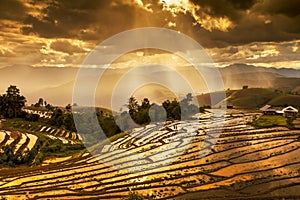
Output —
<point x="61" y="33"/>
<point x="38" y="34"/>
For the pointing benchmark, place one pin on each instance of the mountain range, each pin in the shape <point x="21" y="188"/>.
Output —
<point x="56" y="84"/>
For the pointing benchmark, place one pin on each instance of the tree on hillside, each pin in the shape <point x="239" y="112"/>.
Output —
<point x="41" y="102"/>
<point x="68" y="107"/>
<point x="57" y="118"/>
<point x="12" y="102"/>
<point x="133" y="106"/>
<point x="180" y="110"/>
<point x="139" y="113"/>
<point x="187" y="108"/>
<point x="173" y="109"/>
<point x="142" y="116"/>
<point x="145" y="104"/>
<point x="49" y="107"/>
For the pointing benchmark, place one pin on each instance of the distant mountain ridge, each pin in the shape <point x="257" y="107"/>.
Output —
<point x="244" y="68"/>
<point x="237" y="75"/>
<point x="55" y="84"/>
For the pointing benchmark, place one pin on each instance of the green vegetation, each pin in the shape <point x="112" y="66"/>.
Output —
<point x="285" y="100"/>
<point x="44" y="147"/>
<point x="19" y="124"/>
<point x="55" y="148"/>
<point x="175" y="110"/>
<point x="63" y="120"/>
<point x="252" y="97"/>
<point x="138" y="114"/>
<point x="142" y="113"/>
<point x="88" y="125"/>
<point x="12" y="102"/>
<point x="267" y="121"/>
<point x="41" y="105"/>
<point x="134" y="196"/>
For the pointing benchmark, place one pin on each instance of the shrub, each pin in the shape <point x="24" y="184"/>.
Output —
<point x="134" y="196"/>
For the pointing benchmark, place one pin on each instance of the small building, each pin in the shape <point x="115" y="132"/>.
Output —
<point x="268" y="110"/>
<point x="264" y="108"/>
<point x="279" y="112"/>
<point x="290" y="111"/>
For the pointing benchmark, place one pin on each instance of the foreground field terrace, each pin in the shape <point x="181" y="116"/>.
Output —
<point x="191" y="161"/>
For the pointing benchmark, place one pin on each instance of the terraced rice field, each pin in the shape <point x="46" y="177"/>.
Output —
<point x="296" y="123"/>
<point x="174" y="161"/>
<point x="19" y="141"/>
<point x="67" y="137"/>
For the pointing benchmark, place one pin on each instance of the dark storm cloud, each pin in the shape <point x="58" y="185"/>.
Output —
<point x="12" y="10"/>
<point x="254" y="20"/>
<point x="66" y="47"/>
<point x="289" y="8"/>
<point x="83" y="19"/>
<point x="64" y="18"/>
<point x="229" y="8"/>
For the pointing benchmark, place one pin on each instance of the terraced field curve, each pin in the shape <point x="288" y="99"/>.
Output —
<point x="20" y="142"/>
<point x="174" y="161"/>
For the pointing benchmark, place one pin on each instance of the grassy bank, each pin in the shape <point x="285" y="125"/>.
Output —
<point x="267" y="121"/>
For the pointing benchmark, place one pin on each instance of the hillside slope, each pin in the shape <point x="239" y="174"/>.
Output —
<point x="246" y="163"/>
<point x="254" y="98"/>
<point x="285" y="100"/>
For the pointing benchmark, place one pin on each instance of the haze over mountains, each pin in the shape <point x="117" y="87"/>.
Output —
<point x="56" y="84"/>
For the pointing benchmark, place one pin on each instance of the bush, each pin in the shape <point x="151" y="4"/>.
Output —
<point x="134" y="196"/>
<point x="267" y="121"/>
<point x="32" y="117"/>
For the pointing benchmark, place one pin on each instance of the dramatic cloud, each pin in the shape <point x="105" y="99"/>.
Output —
<point x="12" y="10"/>
<point x="63" y="32"/>
<point x="268" y="54"/>
<point x="290" y="8"/>
<point x="66" y="47"/>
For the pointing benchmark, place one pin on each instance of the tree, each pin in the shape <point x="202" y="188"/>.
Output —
<point x="133" y="106"/>
<point x="57" y="118"/>
<point x="145" y="104"/>
<point x="12" y="102"/>
<point x="69" y="122"/>
<point x="187" y="108"/>
<point x="49" y="107"/>
<point x="32" y="117"/>
<point x="172" y="109"/>
<point x="68" y="107"/>
<point x="41" y="102"/>
<point x="139" y="113"/>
